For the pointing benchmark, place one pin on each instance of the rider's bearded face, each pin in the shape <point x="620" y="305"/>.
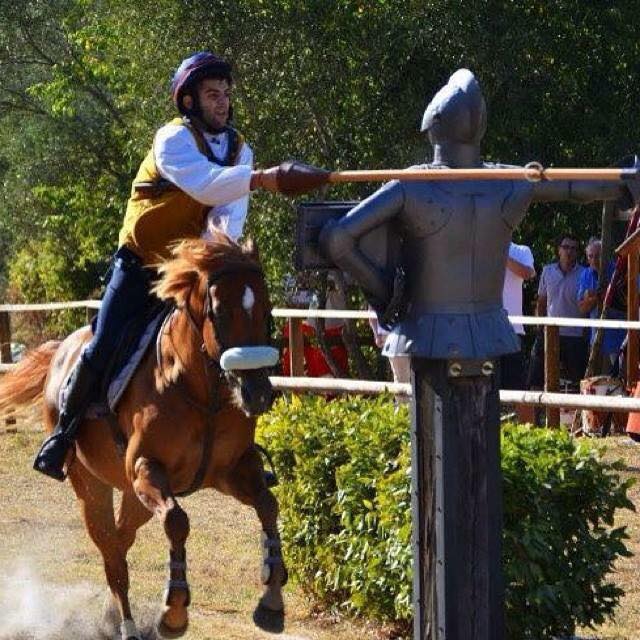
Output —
<point x="214" y="98"/>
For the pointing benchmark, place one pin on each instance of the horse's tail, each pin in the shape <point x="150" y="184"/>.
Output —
<point x="24" y="384"/>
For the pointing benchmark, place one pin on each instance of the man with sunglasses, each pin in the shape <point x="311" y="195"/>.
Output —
<point x="558" y="298"/>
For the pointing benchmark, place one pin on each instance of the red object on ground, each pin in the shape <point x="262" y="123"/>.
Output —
<point x="633" y="423"/>
<point x="315" y="363"/>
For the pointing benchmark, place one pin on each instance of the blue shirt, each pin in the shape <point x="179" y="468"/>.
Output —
<point x="612" y="338"/>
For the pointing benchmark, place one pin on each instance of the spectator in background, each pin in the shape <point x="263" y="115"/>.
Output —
<point x="558" y="298"/>
<point x="315" y="363"/>
<point x="400" y="365"/>
<point x="512" y="365"/>
<point x="590" y="296"/>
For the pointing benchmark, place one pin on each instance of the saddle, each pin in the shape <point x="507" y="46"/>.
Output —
<point x="137" y="338"/>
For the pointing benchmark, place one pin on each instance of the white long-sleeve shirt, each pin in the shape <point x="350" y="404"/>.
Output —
<point x="512" y="291"/>
<point x="225" y="189"/>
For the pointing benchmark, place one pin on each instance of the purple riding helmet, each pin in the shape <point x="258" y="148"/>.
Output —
<point x="193" y="69"/>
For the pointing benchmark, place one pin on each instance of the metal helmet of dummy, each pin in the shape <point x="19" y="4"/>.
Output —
<point x="458" y="112"/>
<point x="193" y="69"/>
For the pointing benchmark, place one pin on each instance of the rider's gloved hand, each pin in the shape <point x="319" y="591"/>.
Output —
<point x="291" y="178"/>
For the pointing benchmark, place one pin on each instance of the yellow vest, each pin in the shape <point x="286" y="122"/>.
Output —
<point x="159" y="214"/>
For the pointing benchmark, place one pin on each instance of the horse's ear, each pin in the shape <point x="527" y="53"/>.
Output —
<point x="250" y="248"/>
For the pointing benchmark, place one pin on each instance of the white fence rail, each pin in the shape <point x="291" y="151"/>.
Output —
<point x="539" y="398"/>
<point x="339" y="314"/>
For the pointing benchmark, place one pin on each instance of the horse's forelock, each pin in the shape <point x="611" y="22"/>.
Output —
<point x="193" y="261"/>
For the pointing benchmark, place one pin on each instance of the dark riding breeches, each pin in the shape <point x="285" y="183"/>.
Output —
<point x="126" y="298"/>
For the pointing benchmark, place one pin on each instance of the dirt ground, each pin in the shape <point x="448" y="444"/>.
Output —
<point x="52" y="584"/>
<point x="51" y="578"/>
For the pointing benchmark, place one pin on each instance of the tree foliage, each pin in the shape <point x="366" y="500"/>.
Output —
<point x="339" y="83"/>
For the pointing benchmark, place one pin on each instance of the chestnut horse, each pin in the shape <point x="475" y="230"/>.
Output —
<point x="188" y="421"/>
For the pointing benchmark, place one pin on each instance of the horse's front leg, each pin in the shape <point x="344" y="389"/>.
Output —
<point x="96" y="500"/>
<point x="151" y="485"/>
<point x="246" y="483"/>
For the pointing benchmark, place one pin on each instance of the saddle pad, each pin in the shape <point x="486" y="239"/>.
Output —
<point x="125" y="370"/>
<point x="119" y="384"/>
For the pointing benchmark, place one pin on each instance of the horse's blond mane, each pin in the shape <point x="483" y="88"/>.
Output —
<point x="192" y="261"/>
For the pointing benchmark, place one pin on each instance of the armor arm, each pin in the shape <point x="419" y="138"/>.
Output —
<point x="580" y="191"/>
<point x="339" y="240"/>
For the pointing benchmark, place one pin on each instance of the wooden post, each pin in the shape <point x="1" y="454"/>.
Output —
<point x="5" y="338"/>
<point x="5" y="352"/>
<point x="457" y="501"/>
<point x="296" y="347"/>
<point x="632" y="314"/>
<point x="552" y="370"/>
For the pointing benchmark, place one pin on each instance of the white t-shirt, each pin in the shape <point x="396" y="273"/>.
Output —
<point x="512" y="292"/>
<point x="226" y="189"/>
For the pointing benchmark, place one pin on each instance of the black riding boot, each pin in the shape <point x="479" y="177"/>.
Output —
<point x="53" y="453"/>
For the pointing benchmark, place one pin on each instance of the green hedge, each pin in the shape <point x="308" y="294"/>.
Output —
<point x="345" y="510"/>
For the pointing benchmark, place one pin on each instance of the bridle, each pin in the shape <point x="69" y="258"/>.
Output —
<point x="209" y="313"/>
<point x="213" y="369"/>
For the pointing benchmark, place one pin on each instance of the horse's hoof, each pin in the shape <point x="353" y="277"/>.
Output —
<point x="167" y="632"/>
<point x="268" y="619"/>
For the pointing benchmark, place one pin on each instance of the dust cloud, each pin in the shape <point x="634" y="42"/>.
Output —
<point x="32" y="609"/>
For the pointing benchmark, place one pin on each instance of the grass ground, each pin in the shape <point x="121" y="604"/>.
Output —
<point x="52" y="583"/>
<point x="626" y="624"/>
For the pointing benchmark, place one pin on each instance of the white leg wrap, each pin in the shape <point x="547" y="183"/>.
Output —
<point x="269" y="558"/>
<point x="129" y="630"/>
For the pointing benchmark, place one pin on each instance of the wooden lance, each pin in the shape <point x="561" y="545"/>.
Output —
<point x="294" y="178"/>
<point x="533" y="172"/>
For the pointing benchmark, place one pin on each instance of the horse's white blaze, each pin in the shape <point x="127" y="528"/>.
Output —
<point x="248" y="299"/>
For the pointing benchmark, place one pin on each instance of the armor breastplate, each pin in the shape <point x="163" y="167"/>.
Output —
<point x="456" y="238"/>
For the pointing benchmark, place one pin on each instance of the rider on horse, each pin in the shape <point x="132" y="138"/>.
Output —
<point x="198" y="166"/>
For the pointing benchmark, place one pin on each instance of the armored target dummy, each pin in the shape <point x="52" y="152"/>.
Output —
<point x="454" y="235"/>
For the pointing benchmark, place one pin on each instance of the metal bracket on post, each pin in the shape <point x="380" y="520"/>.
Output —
<point x="470" y="368"/>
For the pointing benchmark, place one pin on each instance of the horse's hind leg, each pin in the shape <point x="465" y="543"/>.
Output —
<point x="96" y="501"/>
<point x="130" y="516"/>
<point x="246" y="483"/>
<point x="151" y="485"/>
